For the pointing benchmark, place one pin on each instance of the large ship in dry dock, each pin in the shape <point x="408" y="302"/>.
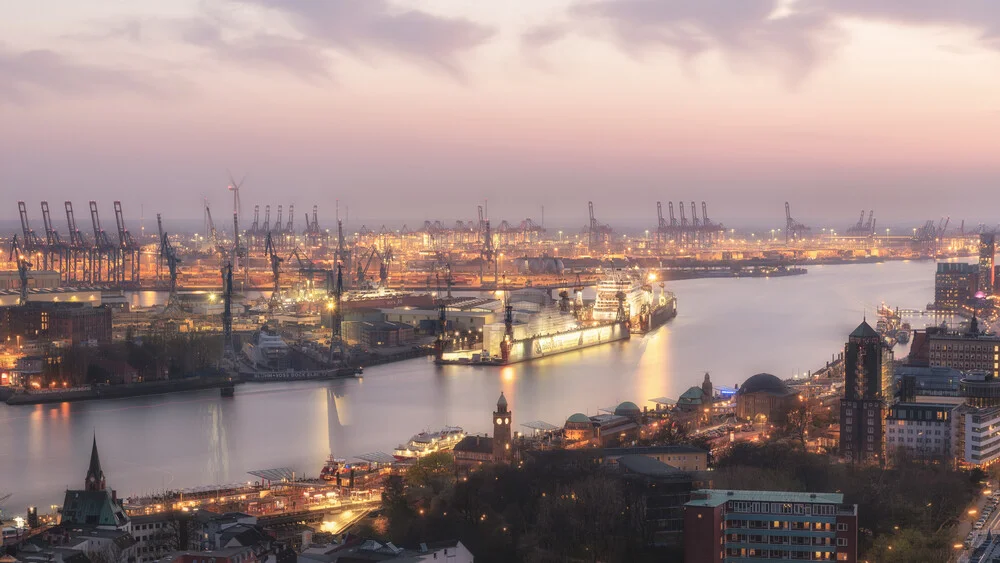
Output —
<point x="535" y="326"/>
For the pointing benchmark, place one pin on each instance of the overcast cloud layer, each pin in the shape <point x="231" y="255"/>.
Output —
<point x="407" y="110"/>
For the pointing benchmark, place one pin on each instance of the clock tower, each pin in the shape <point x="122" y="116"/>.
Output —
<point x="501" y="432"/>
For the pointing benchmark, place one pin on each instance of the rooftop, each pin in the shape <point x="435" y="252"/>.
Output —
<point x="864" y="330"/>
<point x="611" y="452"/>
<point x="716" y="497"/>
<point x="647" y="466"/>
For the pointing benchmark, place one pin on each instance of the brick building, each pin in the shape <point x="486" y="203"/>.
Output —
<point x="722" y="526"/>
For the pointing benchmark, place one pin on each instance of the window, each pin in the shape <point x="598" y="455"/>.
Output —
<point x="841" y="542"/>
<point x="841" y="527"/>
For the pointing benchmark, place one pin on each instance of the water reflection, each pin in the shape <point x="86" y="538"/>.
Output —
<point x="731" y="328"/>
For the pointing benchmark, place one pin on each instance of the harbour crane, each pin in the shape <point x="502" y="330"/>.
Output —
<point x="105" y="251"/>
<point x="168" y="254"/>
<point x="80" y="248"/>
<point x="275" y="261"/>
<point x="598" y="233"/>
<point x="228" y="349"/>
<point x="488" y="251"/>
<point x="23" y="265"/>
<point x="54" y="248"/>
<point x="662" y="227"/>
<point x="793" y="229"/>
<point x="335" y="288"/>
<point x="130" y="252"/>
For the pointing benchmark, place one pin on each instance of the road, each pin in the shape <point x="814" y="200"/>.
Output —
<point x="978" y="545"/>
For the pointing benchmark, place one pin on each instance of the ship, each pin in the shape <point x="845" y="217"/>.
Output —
<point x="429" y="442"/>
<point x="643" y="310"/>
<point x="384" y="298"/>
<point x="266" y="351"/>
<point x="903" y="335"/>
<point x="331" y="468"/>
<point x="619" y="288"/>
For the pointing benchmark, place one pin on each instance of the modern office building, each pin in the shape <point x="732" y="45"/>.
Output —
<point x="987" y="250"/>
<point x="920" y="431"/>
<point x="977" y="435"/>
<point x="868" y="390"/>
<point x="722" y="526"/>
<point x="954" y="284"/>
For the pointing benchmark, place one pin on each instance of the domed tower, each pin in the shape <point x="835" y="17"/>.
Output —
<point x="501" y="431"/>
<point x="95" y="476"/>
<point x="706" y="388"/>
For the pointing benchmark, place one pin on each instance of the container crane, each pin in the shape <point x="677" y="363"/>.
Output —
<point x="105" y="252"/>
<point x="80" y="248"/>
<point x="55" y="249"/>
<point x="130" y="252"/>
<point x="793" y="229"/>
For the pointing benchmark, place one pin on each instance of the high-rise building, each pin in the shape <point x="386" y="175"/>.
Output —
<point x="868" y="390"/>
<point x="723" y="526"/>
<point x="954" y="284"/>
<point x="987" y="250"/>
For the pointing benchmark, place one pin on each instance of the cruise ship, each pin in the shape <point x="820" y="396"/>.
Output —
<point x="429" y="442"/>
<point x="636" y="297"/>
<point x="266" y="351"/>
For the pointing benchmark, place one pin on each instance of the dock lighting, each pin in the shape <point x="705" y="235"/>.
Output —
<point x="652" y="277"/>
<point x="972" y="512"/>
<point x="329" y="305"/>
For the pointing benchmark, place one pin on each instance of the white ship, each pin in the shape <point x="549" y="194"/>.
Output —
<point x="266" y="351"/>
<point x="606" y="306"/>
<point x="429" y="442"/>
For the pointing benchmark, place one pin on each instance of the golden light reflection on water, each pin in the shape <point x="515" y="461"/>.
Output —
<point x="652" y="370"/>
<point x="218" y="461"/>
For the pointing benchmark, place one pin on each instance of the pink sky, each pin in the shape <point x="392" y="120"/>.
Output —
<point x="418" y="110"/>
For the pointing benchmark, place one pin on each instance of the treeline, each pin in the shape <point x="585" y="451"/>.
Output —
<point x="562" y="510"/>
<point x="905" y="513"/>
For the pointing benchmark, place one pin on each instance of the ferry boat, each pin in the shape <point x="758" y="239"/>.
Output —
<point x="429" y="442"/>
<point x="332" y="466"/>
<point x="635" y="297"/>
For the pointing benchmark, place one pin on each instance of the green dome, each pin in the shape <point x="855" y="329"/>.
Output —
<point x="578" y="417"/>
<point x="627" y="408"/>
<point x="693" y="395"/>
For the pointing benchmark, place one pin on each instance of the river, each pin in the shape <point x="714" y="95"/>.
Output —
<point x="732" y="328"/>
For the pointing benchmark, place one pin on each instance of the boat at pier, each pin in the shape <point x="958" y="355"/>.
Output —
<point x="620" y="286"/>
<point x="429" y="442"/>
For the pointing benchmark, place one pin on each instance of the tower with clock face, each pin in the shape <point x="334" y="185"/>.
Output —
<point x="502" y="432"/>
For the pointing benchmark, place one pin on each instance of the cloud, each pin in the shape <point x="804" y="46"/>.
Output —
<point x="544" y="35"/>
<point x="28" y="75"/>
<point x="754" y="31"/>
<point x="302" y="58"/>
<point x="981" y="15"/>
<point x="362" y="27"/>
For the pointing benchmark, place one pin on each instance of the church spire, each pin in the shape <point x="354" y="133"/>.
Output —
<point x="95" y="476"/>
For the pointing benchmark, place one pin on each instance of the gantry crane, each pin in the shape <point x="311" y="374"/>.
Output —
<point x="793" y="229"/>
<point x="81" y="252"/>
